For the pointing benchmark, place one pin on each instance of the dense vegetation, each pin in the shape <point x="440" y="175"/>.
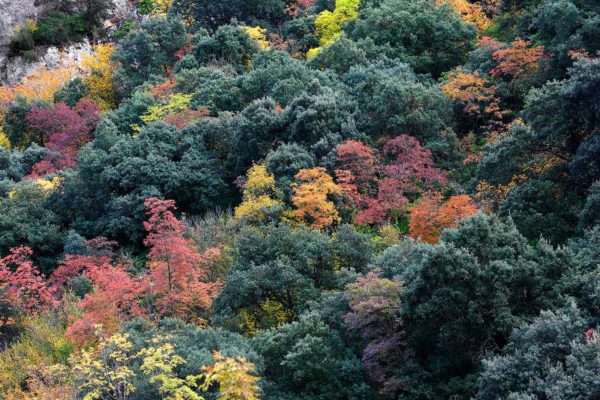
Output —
<point x="305" y="199"/>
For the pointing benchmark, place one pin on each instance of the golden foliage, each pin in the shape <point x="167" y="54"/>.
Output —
<point x="106" y="374"/>
<point x="474" y="92"/>
<point x="329" y="23"/>
<point x="259" y="35"/>
<point x="259" y="194"/>
<point x="311" y="198"/>
<point x="99" y="80"/>
<point x="235" y="377"/>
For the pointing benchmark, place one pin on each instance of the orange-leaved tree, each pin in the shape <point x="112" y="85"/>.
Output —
<point x="520" y="60"/>
<point x="430" y="216"/>
<point x="312" y="198"/>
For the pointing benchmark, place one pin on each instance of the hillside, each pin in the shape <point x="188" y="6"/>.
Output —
<point x="299" y="199"/>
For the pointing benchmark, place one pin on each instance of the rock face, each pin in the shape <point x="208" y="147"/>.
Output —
<point x="13" y="13"/>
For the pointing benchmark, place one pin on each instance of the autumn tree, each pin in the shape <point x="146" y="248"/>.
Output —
<point x="475" y="95"/>
<point x="106" y="372"/>
<point x="471" y="12"/>
<point x="311" y="198"/>
<point x="410" y="171"/>
<point x="329" y="24"/>
<point x="116" y="297"/>
<point x="376" y="313"/>
<point x="43" y="82"/>
<point x="99" y="83"/>
<point x="64" y="130"/>
<point x="159" y="362"/>
<point x="357" y="170"/>
<point x="520" y="60"/>
<point x="176" y="268"/>
<point x="260" y="195"/>
<point x="22" y="286"/>
<point x="430" y="216"/>
<point x="235" y="377"/>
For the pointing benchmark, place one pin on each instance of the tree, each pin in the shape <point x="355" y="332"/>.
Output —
<point x="420" y="108"/>
<point x="160" y="361"/>
<point x="518" y="61"/>
<point x="64" y="130"/>
<point x="99" y="82"/>
<point x="411" y="171"/>
<point x="475" y="96"/>
<point x="555" y="354"/>
<point x="431" y="39"/>
<point x="358" y="166"/>
<point x="23" y="288"/>
<point x="229" y="44"/>
<point x="125" y="170"/>
<point x="259" y="195"/>
<point x="235" y="377"/>
<point x="472" y="13"/>
<point x="149" y="50"/>
<point x="42" y="83"/>
<point x="464" y="297"/>
<point x="107" y="373"/>
<point x="27" y="220"/>
<point x="329" y="24"/>
<point x="430" y="216"/>
<point x="174" y="263"/>
<point x="311" y="200"/>
<point x="276" y="270"/>
<point x="375" y="311"/>
<point x="312" y="357"/>
<point x="212" y="14"/>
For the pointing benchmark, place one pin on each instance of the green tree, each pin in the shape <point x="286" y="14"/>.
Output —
<point x="431" y="39"/>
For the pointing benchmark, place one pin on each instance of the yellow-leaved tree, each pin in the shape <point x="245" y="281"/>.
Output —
<point x="311" y="198"/>
<point x="106" y="373"/>
<point x="259" y="35"/>
<point x="235" y="377"/>
<point x="329" y="23"/>
<point x="159" y="361"/>
<point x="470" y="12"/>
<point x="259" y="195"/>
<point x="99" y="81"/>
<point x="175" y="104"/>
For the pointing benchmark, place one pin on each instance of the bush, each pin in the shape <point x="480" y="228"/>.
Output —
<point x="58" y="28"/>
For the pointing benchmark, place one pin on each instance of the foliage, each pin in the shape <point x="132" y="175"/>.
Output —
<point x="430" y="215"/>
<point x="22" y="286"/>
<point x="109" y="375"/>
<point x="234" y="376"/>
<point x="431" y="39"/>
<point x="99" y="82"/>
<point x="259" y="195"/>
<point x="259" y="35"/>
<point x="329" y="24"/>
<point x="311" y="198"/>
<point x="175" y="265"/>
<point x="375" y="305"/>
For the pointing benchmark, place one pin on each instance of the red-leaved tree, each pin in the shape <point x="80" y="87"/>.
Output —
<point x="177" y="273"/>
<point x="357" y="170"/>
<point x="22" y="286"/>
<point x="63" y="130"/>
<point x="410" y="171"/>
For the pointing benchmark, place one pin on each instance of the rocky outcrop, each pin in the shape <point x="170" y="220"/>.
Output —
<point x="13" y="13"/>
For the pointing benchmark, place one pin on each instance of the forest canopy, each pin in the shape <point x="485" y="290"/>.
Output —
<point x="303" y="199"/>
